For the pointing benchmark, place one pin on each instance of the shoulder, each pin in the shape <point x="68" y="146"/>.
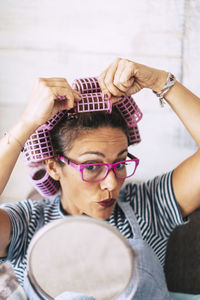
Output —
<point x="159" y="186"/>
<point x="28" y="208"/>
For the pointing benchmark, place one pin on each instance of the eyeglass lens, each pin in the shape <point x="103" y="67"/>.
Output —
<point x="95" y="172"/>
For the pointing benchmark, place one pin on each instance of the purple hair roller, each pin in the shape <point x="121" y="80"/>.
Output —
<point x="92" y="99"/>
<point x="132" y="115"/>
<point x="93" y="102"/>
<point x="51" y="123"/>
<point x="86" y="85"/>
<point x="38" y="147"/>
<point x="44" y="183"/>
<point x="129" y="110"/>
<point x="133" y="135"/>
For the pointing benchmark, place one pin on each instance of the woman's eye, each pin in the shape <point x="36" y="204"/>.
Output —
<point x="92" y="168"/>
<point x="121" y="165"/>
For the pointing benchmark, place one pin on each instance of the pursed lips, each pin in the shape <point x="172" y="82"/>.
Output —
<point x="107" y="202"/>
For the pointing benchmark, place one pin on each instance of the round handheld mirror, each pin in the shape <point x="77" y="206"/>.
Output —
<point x="82" y="255"/>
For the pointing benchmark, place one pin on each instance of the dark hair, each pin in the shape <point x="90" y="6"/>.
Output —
<point x="67" y="130"/>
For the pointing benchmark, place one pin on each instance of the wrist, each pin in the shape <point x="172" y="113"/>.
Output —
<point x="21" y="131"/>
<point x="171" y="80"/>
<point x="160" y="81"/>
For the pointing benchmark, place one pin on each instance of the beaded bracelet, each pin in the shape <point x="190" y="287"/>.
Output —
<point x="171" y="80"/>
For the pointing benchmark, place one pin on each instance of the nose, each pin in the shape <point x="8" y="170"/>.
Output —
<point x="110" y="182"/>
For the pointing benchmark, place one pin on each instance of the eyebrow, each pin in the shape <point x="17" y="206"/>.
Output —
<point x="101" y="154"/>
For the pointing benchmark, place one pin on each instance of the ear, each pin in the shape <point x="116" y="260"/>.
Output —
<point x="53" y="168"/>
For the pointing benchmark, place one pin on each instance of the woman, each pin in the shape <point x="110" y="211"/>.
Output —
<point x="146" y="213"/>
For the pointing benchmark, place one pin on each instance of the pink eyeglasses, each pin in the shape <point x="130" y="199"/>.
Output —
<point x="98" y="171"/>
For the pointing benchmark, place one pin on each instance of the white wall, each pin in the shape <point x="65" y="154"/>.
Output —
<point x="79" y="38"/>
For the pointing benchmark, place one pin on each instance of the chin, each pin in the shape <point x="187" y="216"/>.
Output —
<point x="104" y="214"/>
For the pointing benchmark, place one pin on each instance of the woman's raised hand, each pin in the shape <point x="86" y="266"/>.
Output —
<point x="125" y="77"/>
<point x="49" y="95"/>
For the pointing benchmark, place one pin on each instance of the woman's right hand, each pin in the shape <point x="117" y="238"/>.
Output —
<point x="45" y="103"/>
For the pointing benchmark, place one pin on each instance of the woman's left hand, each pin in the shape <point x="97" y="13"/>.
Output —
<point x="125" y="77"/>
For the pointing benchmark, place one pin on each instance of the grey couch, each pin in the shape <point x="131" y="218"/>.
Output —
<point x="182" y="265"/>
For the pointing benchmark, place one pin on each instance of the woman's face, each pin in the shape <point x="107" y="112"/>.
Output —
<point x="102" y="145"/>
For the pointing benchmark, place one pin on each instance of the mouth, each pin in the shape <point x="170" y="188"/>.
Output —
<point x="107" y="202"/>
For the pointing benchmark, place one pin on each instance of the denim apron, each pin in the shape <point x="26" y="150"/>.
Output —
<point x="151" y="283"/>
<point x="151" y="278"/>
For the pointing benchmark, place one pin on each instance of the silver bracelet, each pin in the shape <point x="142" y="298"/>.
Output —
<point x="171" y="80"/>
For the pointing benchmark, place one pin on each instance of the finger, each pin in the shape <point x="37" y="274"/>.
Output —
<point x="127" y="86"/>
<point x="124" y="78"/>
<point x="51" y="82"/>
<point x="77" y="95"/>
<point x="134" y="89"/>
<point x="105" y="91"/>
<point x="61" y="105"/>
<point x="117" y="78"/>
<point x="109" y="79"/>
<point x="65" y="94"/>
<point x="129" y="83"/>
<point x="129" y="73"/>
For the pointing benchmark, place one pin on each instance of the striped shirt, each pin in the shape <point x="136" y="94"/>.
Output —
<point x="153" y="203"/>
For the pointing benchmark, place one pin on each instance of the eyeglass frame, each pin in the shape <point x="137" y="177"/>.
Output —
<point x="80" y="167"/>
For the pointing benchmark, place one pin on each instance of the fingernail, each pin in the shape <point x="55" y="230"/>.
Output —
<point x="105" y="96"/>
<point x="61" y="98"/>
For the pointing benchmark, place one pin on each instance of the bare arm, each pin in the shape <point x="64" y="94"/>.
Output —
<point x="127" y="77"/>
<point x="43" y="105"/>
<point x="186" y="177"/>
<point x="5" y="232"/>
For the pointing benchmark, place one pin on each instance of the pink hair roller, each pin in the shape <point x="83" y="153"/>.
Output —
<point x="129" y="110"/>
<point x="43" y="182"/>
<point x="93" y="102"/>
<point x="132" y="115"/>
<point x="91" y="95"/>
<point x="39" y="147"/>
<point x="86" y="85"/>
<point x="51" y="123"/>
<point x="133" y="135"/>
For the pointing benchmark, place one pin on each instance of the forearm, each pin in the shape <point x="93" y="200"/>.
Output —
<point x="43" y="105"/>
<point x="187" y="107"/>
<point x="10" y="149"/>
<point x="186" y="176"/>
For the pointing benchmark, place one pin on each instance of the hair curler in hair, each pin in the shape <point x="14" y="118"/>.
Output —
<point x="129" y="110"/>
<point x="133" y="135"/>
<point x="86" y="85"/>
<point x="38" y="147"/>
<point x="43" y="182"/>
<point x="126" y="106"/>
<point x="92" y="98"/>
<point x="93" y="102"/>
<point x="132" y="115"/>
<point x="51" y="123"/>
